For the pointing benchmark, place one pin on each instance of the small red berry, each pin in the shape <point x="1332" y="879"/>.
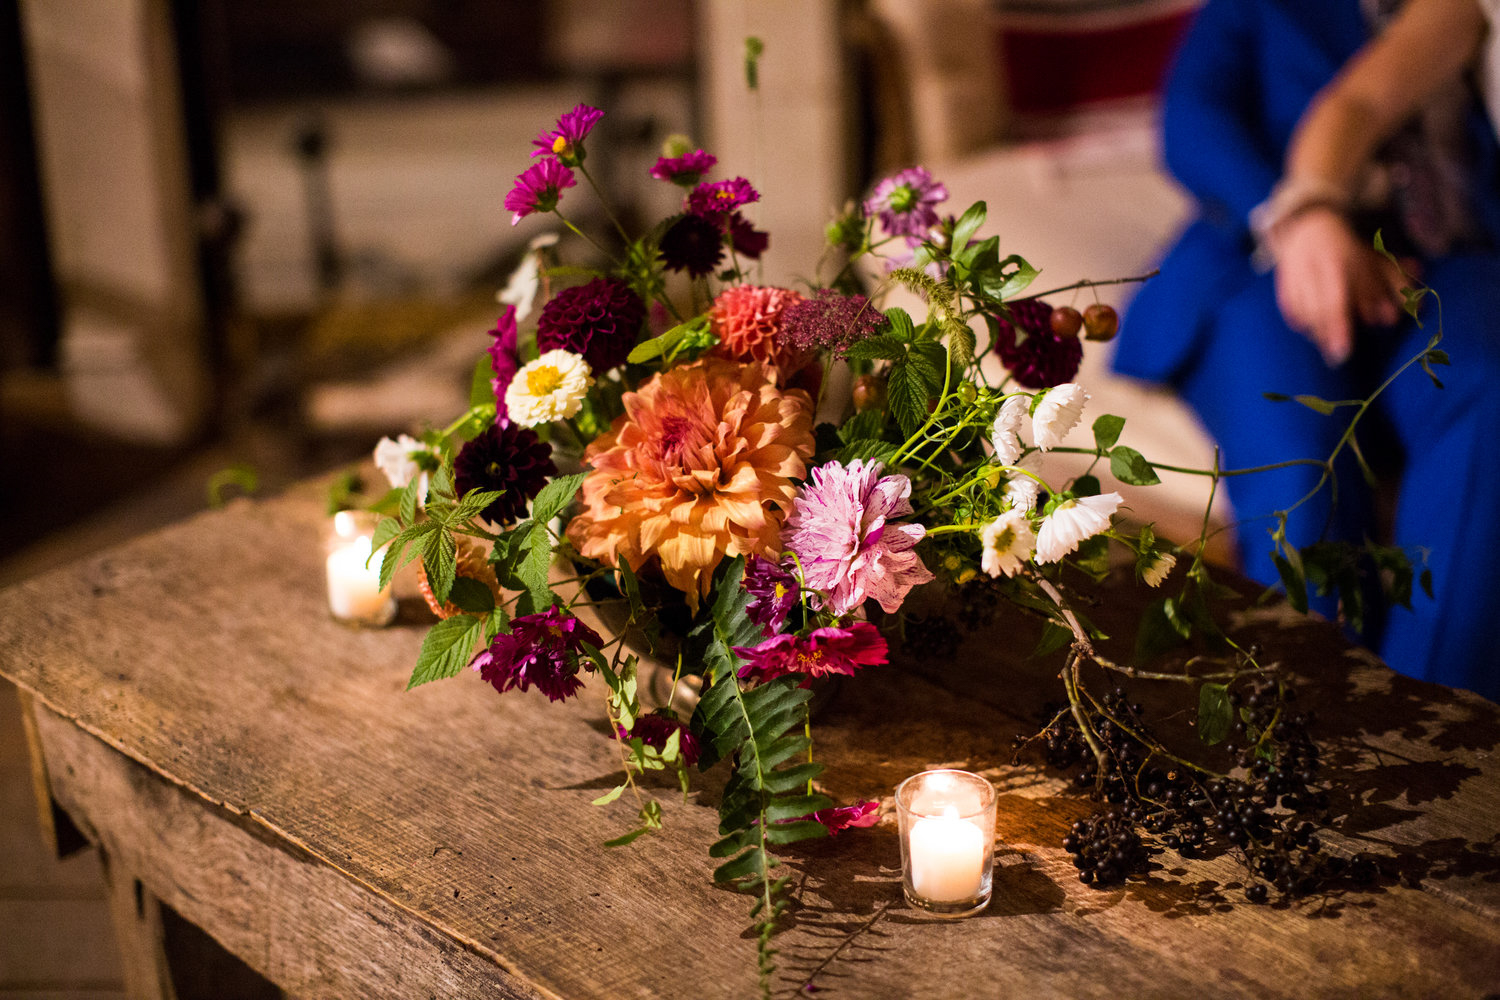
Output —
<point x="1066" y="321"/>
<point x="869" y="393"/>
<point x="1100" y="322"/>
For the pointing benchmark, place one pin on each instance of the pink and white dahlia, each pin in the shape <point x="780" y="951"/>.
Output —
<point x="1071" y="522"/>
<point x="850" y="549"/>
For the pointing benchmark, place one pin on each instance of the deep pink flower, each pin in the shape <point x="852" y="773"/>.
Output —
<point x="825" y="652"/>
<point x="505" y="357"/>
<point x="655" y="729"/>
<point x="599" y="320"/>
<point x="538" y="188"/>
<point x="566" y="141"/>
<point x="686" y="170"/>
<point x="841" y="531"/>
<point x="1037" y="357"/>
<point x="773" y="592"/>
<point x="540" y="650"/>
<point x="838" y="818"/>
<point x="905" y="202"/>
<point x="716" y="200"/>
<point x="746" y="239"/>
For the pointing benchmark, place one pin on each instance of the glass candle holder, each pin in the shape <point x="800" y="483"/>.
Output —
<point x="947" y="822"/>
<point x="354" y="592"/>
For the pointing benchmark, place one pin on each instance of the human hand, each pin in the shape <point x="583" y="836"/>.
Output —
<point x="1326" y="277"/>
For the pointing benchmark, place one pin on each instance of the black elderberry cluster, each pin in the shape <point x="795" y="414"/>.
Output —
<point x="1267" y="811"/>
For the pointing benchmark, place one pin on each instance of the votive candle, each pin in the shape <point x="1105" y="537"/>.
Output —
<point x="354" y="591"/>
<point x="947" y="821"/>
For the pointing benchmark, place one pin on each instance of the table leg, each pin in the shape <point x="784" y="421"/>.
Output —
<point x="136" y="915"/>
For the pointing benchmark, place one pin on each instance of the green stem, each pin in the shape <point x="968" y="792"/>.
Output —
<point x="1088" y="283"/>
<point x="603" y="202"/>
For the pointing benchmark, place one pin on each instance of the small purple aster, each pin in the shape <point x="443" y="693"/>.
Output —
<point x="1037" y="357"/>
<point x="505" y="357"/>
<point x="827" y="651"/>
<point x="508" y="458"/>
<point x="746" y="239"/>
<point x="905" y="202"/>
<point x="656" y="728"/>
<point x="692" y="244"/>
<point x="538" y="188"/>
<point x="540" y="650"/>
<point x="685" y="170"/>
<point x="831" y="321"/>
<point x="850" y="549"/>
<point x="566" y="141"/>
<point x="773" y="592"/>
<point x="715" y="200"/>
<point x="599" y="320"/>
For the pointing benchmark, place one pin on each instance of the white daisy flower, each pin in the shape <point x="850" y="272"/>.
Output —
<point x="397" y="459"/>
<point x="550" y="388"/>
<point x="1071" y="522"/>
<point x="1058" y="413"/>
<point x="1005" y="435"/>
<point x="1008" y="542"/>
<point x="1160" y="567"/>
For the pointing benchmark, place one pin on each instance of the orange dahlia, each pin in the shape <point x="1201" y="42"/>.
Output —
<point x="747" y="321"/>
<point x="699" y="467"/>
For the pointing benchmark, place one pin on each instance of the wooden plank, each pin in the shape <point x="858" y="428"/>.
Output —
<point x="135" y="914"/>
<point x="461" y="818"/>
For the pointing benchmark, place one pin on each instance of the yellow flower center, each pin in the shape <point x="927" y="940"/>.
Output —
<point x="543" y="380"/>
<point x="780" y="591"/>
<point x="560" y="144"/>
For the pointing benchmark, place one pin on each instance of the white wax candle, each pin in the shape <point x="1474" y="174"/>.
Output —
<point x="354" y="592"/>
<point x="947" y="858"/>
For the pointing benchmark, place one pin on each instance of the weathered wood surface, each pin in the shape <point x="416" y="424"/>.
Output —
<point x="262" y="770"/>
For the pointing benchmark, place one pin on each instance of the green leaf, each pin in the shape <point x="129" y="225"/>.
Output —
<point x="790" y="833"/>
<point x="1294" y="582"/>
<point x="796" y="807"/>
<point x="409" y="498"/>
<point x="930" y="360"/>
<point x="555" y="496"/>
<point x="1323" y="406"/>
<point x="1054" y="637"/>
<point x="385" y="529"/>
<point x="472" y="596"/>
<point x="882" y="347"/>
<point x="752" y="862"/>
<point x="533" y="564"/>
<point x="968" y="224"/>
<point x="877" y="450"/>
<point x="908" y="398"/>
<point x="1107" y="431"/>
<point x="1130" y="466"/>
<point x="1019" y="281"/>
<point x="1156" y="634"/>
<point x="609" y="796"/>
<point x="657" y="346"/>
<point x="1215" y="716"/>
<point x="440" y="560"/>
<point x="901" y="325"/>
<point x="446" y="649"/>
<point x="629" y="838"/>
<point x="473" y="504"/>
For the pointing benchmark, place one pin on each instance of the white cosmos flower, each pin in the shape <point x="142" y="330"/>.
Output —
<point x="1071" y="522"/>
<point x="1160" y="566"/>
<point x="1005" y="435"/>
<point x="1022" y="491"/>
<point x="520" y="291"/>
<point x="1058" y="413"/>
<point x="397" y="458"/>
<point x="550" y="388"/>
<point x="1008" y="542"/>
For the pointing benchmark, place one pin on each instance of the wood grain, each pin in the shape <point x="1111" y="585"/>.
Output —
<point x="262" y="769"/>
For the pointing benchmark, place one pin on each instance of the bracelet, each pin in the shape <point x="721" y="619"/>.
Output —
<point x="1291" y="197"/>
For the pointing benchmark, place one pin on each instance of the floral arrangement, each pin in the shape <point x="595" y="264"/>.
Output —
<point x="667" y="431"/>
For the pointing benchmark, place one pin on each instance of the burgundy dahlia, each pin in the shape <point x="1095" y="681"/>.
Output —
<point x="692" y="244"/>
<point x="831" y="321"/>
<point x="655" y="729"/>
<point x="507" y="458"/>
<point x="1037" y="357"/>
<point x="539" y="650"/>
<point x="600" y="321"/>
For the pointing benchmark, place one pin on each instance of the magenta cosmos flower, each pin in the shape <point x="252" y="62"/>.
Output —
<point x="850" y="549"/>
<point x="538" y="189"/>
<point x="686" y="170"/>
<point x="566" y="141"/>
<point x="505" y="357"/>
<point x="905" y="203"/>
<point x="827" y="651"/>
<point x="838" y="818"/>
<point x="773" y="593"/>
<point x="540" y="650"/>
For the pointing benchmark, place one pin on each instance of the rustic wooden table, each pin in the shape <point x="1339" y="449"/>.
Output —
<point x="261" y="770"/>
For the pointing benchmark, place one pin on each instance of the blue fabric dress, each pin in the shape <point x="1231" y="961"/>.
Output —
<point x="1209" y="326"/>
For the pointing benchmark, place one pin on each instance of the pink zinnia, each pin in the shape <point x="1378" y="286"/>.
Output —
<point x="538" y="188"/>
<point x="840" y="529"/>
<point x="566" y="141"/>
<point x="825" y="652"/>
<point x="686" y="170"/>
<point x="717" y="199"/>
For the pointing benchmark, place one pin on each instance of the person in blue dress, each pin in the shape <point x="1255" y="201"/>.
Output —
<point x="1301" y="127"/>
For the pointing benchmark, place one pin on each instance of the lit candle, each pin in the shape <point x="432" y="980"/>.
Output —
<point x="947" y="858"/>
<point x="354" y="591"/>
